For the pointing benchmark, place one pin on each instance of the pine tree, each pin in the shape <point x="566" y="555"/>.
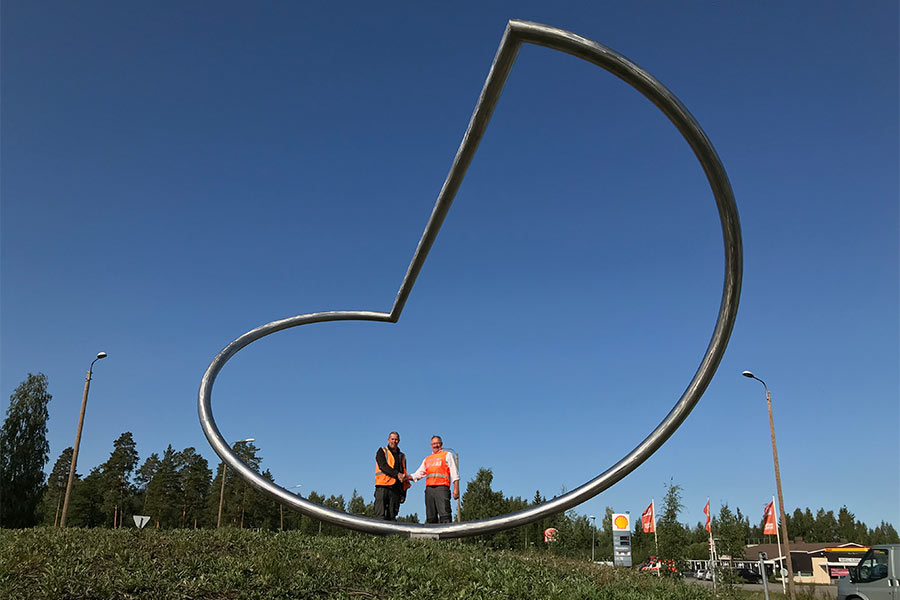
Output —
<point x="85" y="502"/>
<point x="24" y="452"/>
<point x="311" y="526"/>
<point x="574" y="536"/>
<point x="606" y="545"/>
<point x="533" y="534"/>
<point x="142" y="479"/>
<point x="358" y="506"/>
<point x="410" y="518"/>
<point x="518" y="537"/>
<point x="729" y="529"/>
<point x="51" y="502"/>
<point x="698" y="543"/>
<point x="194" y="480"/>
<point x="673" y="536"/>
<point x="479" y="500"/>
<point x="883" y="534"/>
<point x="163" y="498"/>
<point x="238" y="493"/>
<point x="825" y="528"/>
<point x="261" y="511"/>
<point x="293" y="519"/>
<point x="116" y="479"/>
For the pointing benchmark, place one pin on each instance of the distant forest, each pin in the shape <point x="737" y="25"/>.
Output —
<point x="177" y="489"/>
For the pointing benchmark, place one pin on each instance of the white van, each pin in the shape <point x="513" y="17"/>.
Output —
<point x="876" y="577"/>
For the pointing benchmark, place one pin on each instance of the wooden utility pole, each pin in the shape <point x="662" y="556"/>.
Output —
<point x="784" y="531"/>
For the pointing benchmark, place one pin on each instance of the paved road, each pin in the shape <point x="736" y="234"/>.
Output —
<point x="821" y="591"/>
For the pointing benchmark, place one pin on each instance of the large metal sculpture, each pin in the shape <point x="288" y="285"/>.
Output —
<point x="516" y="33"/>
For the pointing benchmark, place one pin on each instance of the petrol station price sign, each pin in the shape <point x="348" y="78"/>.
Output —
<point x="621" y="530"/>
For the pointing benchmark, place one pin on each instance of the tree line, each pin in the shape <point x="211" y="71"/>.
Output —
<point x="674" y="540"/>
<point x="178" y="489"/>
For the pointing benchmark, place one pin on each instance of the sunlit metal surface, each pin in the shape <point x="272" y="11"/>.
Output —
<point x="516" y="33"/>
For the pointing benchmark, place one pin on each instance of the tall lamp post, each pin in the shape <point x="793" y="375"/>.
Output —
<point x="222" y="491"/>
<point x="87" y="386"/>
<point x="593" y="530"/>
<point x="784" y="531"/>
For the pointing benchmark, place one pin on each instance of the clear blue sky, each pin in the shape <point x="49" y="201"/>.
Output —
<point x="176" y="175"/>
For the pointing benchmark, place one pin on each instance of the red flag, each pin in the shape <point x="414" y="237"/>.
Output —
<point x="647" y="520"/>
<point x="706" y="512"/>
<point x="771" y="525"/>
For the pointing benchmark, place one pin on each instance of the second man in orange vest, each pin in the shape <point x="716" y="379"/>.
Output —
<point x="439" y="471"/>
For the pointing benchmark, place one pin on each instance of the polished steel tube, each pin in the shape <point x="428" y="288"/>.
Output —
<point x="516" y="33"/>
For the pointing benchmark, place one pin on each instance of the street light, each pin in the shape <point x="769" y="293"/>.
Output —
<point x="593" y="529"/>
<point x="87" y="386"/>
<point x="222" y="491"/>
<point x="784" y="531"/>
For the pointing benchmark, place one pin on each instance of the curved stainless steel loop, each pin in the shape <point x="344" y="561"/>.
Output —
<point x="564" y="41"/>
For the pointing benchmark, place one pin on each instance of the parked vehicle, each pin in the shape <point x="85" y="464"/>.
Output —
<point x="667" y="567"/>
<point x="747" y="575"/>
<point x="704" y="574"/>
<point x="875" y="577"/>
<point x="650" y="566"/>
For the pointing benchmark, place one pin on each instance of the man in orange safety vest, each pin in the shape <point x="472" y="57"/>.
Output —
<point x="439" y="471"/>
<point x="391" y="479"/>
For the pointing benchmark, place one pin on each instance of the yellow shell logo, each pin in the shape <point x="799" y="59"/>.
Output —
<point x="621" y="522"/>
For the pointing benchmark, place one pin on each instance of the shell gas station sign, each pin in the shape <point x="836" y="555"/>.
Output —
<point x="621" y="530"/>
<point x="621" y="522"/>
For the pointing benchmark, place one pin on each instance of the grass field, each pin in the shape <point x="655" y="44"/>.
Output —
<point x="50" y="564"/>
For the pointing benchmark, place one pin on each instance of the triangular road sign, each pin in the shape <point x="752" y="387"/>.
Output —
<point x="141" y="520"/>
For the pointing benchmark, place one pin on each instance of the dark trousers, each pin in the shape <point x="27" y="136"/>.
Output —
<point x="387" y="503"/>
<point x="437" y="504"/>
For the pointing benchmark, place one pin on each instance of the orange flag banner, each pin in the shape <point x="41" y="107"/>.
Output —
<point x="647" y="520"/>
<point x="771" y="525"/>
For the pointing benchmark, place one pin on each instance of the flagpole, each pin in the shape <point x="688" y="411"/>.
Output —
<point x="712" y="565"/>
<point x="655" y="538"/>
<point x="778" y="537"/>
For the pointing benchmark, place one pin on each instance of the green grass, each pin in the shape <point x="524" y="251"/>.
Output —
<point x="51" y="564"/>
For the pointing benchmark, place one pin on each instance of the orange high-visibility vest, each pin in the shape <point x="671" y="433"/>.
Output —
<point x="437" y="471"/>
<point x="382" y="479"/>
